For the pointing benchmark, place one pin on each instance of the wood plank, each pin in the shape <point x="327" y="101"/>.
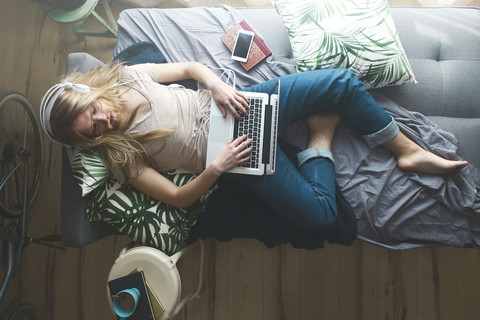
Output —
<point x="468" y="283"/>
<point x="221" y="301"/>
<point x="396" y="284"/>
<point x="189" y="269"/>
<point x="71" y="308"/>
<point x="185" y="266"/>
<point x="290" y="282"/>
<point x="87" y="276"/>
<point x="272" y="298"/>
<point x="358" y="281"/>
<point x="428" y="278"/>
<point x="319" y="278"/>
<point x="203" y="304"/>
<point x="245" y="270"/>
<point x="446" y="265"/>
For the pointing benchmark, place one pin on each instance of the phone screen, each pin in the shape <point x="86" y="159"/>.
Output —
<point x="242" y="45"/>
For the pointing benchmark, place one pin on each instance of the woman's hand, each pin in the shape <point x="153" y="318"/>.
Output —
<point x="230" y="99"/>
<point x="152" y="183"/>
<point x="225" y="96"/>
<point x="233" y="153"/>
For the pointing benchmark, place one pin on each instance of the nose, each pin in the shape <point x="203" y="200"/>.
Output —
<point x="100" y="117"/>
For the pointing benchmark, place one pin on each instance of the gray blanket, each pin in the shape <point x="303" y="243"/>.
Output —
<point x="395" y="209"/>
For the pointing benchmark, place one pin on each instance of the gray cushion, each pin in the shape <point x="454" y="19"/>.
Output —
<point x="81" y="62"/>
<point x="467" y="132"/>
<point x="443" y="47"/>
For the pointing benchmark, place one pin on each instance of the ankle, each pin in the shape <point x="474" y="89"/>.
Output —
<point x="320" y="141"/>
<point x="401" y="146"/>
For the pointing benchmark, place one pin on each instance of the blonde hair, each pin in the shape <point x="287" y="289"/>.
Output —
<point x="117" y="147"/>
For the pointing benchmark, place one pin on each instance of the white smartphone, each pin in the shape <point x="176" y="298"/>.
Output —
<point x="243" y="43"/>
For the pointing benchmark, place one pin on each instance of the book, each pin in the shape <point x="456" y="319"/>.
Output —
<point x="157" y="307"/>
<point x="258" y="52"/>
<point x="148" y="306"/>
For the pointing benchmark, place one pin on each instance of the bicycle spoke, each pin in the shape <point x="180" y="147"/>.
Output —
<point x="20" y="141"/>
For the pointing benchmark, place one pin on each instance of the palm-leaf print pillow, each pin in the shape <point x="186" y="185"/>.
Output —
<point x="145" y="220"/>
<point x="88" y="169"/>
<point x="359" y="35"/>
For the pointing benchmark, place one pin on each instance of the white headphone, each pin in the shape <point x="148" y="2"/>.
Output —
<point x="49" y="100"/>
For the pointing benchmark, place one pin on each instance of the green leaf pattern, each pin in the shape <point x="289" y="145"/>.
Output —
<point x="359" y="35"/>
<point x="88" y="168"/>
<point x="143" y="219"/>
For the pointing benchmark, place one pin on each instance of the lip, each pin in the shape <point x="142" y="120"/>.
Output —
<point x="112" y="117"/>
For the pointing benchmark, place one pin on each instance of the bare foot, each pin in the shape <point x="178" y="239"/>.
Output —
<point x="322" y="128"/>
<point x="424" y="161"/>
<point x="412" y="157"/>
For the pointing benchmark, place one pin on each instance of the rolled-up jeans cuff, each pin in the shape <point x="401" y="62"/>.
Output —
<point x="384" y="135"/>
<point x="312" y="153"/>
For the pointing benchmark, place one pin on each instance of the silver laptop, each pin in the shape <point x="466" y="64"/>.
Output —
<point x="261" y="125"/>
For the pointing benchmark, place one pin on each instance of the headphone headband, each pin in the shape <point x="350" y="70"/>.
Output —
<point x="49" y="100"/>
<point x="54" y="92"/>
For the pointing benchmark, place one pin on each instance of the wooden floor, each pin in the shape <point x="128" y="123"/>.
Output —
<point x="243" y="279"/>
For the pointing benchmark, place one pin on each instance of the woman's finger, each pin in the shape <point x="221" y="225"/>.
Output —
<point x="241" y="108"/>
<point x="233" y="110"/>
<point x="239" y="140"/>
<point x="246" y="152"/>
<point x="244" y="159"/>
<point x="241" y="103"/>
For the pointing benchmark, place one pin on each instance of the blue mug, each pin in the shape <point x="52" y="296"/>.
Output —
<point x="126" y="302"/>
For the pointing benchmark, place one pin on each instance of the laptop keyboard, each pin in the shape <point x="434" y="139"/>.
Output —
<point x="251" y="126"/>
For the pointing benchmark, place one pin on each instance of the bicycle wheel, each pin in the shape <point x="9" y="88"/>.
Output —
<point x="23" y="311"/>
<point x="21" y="124"/>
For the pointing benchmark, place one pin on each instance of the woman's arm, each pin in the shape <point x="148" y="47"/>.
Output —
<point x="226" y="97"/>
<point x="152" y="183"/>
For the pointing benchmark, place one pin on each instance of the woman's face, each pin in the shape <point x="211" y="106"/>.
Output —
<point x="95" y="120"/>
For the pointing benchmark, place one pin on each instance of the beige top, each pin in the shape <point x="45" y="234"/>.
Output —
<point x="171" y="107"/>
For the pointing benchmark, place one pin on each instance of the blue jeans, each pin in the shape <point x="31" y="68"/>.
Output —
<point x="305" y="194"/>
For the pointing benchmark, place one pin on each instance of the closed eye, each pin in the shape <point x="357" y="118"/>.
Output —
<point x="97" y="128"/>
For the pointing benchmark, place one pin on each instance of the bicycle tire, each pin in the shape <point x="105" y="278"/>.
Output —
<point x="23" y="311"/>
<point x="20" y="121"/>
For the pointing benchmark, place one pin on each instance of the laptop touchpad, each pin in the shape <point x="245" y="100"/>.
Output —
<point x="222" y="131"/>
